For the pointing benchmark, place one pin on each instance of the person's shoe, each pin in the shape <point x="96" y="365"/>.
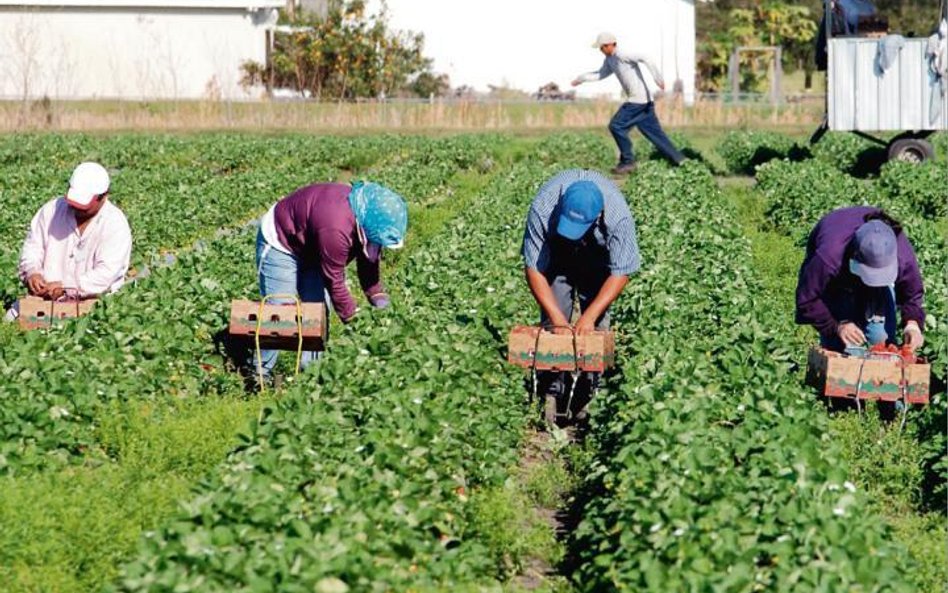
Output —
<point x="623" y="168"/>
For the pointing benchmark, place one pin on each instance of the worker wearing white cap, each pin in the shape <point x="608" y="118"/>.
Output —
<point x="639" y="107"/>
<point x="78" y="245"/>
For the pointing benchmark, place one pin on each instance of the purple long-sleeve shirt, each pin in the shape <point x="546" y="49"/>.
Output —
<point x="825" y="283"/>
<point x="317" y="225"/>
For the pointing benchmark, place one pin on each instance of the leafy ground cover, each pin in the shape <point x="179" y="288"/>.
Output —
<point x="397" y="462"/>
<point x="713" y="467"/>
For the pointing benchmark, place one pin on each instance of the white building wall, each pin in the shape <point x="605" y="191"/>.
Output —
<point x="128" y="52"/>
<point x="525" y="44"/>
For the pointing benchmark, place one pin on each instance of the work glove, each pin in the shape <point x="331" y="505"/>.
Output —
<point x="875" y="333"/>
<point x="380" y="300"/>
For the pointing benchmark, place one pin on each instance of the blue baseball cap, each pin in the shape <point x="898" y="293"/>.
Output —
<point x="580" y="206"/>
<point x="876" y="259"/>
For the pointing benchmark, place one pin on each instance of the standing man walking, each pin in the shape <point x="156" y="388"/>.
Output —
<point x="639" y="107"/>
<point x="579" y="245"/>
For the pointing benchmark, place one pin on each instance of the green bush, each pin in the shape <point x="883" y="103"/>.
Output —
<point x="744" y="150"/>
<point x="850" y="153"/>
<point x="919" y="188"/>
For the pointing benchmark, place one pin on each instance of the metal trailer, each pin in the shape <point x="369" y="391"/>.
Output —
<point x="863" y="99"/>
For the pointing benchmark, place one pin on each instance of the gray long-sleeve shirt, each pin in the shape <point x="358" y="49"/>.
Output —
<point x="625" y="65"/>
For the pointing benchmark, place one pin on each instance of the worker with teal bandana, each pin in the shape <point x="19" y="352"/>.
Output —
<point x="307" y="239"/>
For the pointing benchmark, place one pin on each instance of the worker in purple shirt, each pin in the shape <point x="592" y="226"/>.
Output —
<point x="859" y="268"/>
<point x="306" y="240"/>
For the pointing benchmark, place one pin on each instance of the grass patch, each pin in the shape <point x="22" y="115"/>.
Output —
<point x="777" y="258"/>
<point x="505" y="521"/>
<point x="69" y="529"/>
<point x="519" y="521"/>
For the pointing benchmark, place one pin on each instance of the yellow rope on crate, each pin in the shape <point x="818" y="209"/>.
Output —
<point x="299" y="333"/>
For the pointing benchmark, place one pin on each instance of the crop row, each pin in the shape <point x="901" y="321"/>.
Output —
<point x="798" y="194"/>
<point x="362" y="475"/>
<point x="713" y="468"/>
<point x="160" y="336"/>
<point x="744" y="150"/>
<point x="175" y="190"/>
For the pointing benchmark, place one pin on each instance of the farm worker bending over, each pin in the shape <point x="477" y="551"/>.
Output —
<point x="639" y="107"/>
<point x="859" y="268"/>
<point x="78" y="245"/>
<point x="306" y="240"/>
<point x="579" y="244"/>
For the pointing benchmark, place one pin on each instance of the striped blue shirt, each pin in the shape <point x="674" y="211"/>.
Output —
<point x="619" y="239"/>
<point x="625" y="66"/>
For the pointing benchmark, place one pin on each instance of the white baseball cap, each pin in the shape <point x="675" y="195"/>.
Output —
<point x="88" y="181"/>
<point x="604" y="39"/>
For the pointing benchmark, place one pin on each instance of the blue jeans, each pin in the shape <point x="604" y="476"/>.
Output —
<point x="880" y="308"/>
<point x="281" y="273"/>
<point x="641" y="115"/>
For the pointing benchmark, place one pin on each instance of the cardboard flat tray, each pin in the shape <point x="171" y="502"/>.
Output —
<point x="38" y="313"/>
<point x="279" y="328"/>
<point x="884" y="378"/>
<point x="528" y="345"/>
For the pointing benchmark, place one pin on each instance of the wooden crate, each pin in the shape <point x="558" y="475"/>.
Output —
<point x="279" y="329"/>
<point x="595" y="351"/>
<point x="39" y="313"/>
<point x="877" y="378"/>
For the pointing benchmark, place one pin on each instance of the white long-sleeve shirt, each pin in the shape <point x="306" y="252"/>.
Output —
<point x="625" y="65"/>
<point x="92" y="263"/>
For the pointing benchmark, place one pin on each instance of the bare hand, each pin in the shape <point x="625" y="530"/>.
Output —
<point x="585" y="325"/>
<point x="850" y="334"/>
<point x="54" y="290"/>
<point x="557" y="322"/>
<point x="36" y="284"/>
<point x="661" y="86"/>
<point x="913" y="337"/>
<point x="576" y="82"/>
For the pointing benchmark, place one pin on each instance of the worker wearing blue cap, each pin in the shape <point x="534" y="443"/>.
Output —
<point x="859" y="269"/>
<point x="579" y="245"/>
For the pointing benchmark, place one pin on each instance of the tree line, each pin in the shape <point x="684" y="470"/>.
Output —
<point x="347" y="53"/>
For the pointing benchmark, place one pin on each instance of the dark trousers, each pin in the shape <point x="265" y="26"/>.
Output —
<point x="566" y="288"/>
<point x="641" y="115"/>
<point x="877" y="306"/>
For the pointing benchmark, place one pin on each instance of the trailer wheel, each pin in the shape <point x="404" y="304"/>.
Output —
<point x="911" y="150"/>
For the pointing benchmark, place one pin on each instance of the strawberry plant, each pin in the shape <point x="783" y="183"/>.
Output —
<point x="712" y="470"/>
<point x="359" y="476"/>
<point x="744" y="150"/>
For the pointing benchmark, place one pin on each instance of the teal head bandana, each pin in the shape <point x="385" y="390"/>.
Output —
<point x="380" y="212"/>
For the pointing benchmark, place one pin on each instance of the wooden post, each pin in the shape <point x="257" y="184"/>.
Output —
<point x="733" y="67"/>
<point x="268" y="64"/>
<point x="778" y="74"/>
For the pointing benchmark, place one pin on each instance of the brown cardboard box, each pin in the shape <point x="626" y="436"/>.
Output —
<point x="279" y="329"/>
<point x="38" y="313"/>
<point x="555" y="352"/>
<point x="876" y="378"/>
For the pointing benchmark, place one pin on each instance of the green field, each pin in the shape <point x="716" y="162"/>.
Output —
<point x="132" y="458"/>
